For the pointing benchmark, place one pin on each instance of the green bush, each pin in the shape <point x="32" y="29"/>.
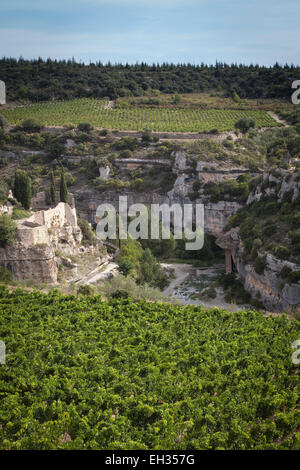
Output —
<point x="3" y="122"/>
<point x="284" y="273"/>
<point x="282" y="252"/>
<point x="85" y="127"/>
<point x="30" y="125"/>
<point x="120" y="294"/>
<point x="126" y="143"/>
<point x="8" y="230"/>
<point x="20" y="214"/>
<point x="5" y="275"/>
<point x="125" y="154"/>
<point x="88" y="236"/>
<point x="147" y="135"/>
<point x="269" y="230"/>
<point x="294" y="277"/>
<point x="125" y="266"/>
<point x="245" y="124"/>
<point x="86" y="290"/>
<point x="260" y="264"/>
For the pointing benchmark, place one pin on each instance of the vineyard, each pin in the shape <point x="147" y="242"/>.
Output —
<point x="159" y="119"/>
<point x="85" y="374"/>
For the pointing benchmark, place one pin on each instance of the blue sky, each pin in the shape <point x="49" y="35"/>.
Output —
<point x="248" y="31"/>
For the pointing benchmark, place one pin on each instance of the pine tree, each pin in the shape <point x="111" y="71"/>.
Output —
<point x="52" y="189"/>
<point x="63" y="188"/>
<point x="22" y="188"/>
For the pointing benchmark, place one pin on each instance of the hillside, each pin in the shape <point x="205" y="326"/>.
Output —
<point x="248" y="174"/>
<point x="87" y="374"/>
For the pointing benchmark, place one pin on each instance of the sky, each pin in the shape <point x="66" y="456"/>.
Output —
<point x="244" y="31"/>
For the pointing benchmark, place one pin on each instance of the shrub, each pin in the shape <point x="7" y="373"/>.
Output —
<point x="126" y="154"/>
<point x="86" y="290"/>
<point x="147" y="135"/>
<point x="294" y="277"/>
<point x="120" y="294"/>
<point x="3" y="122"/>
<point x="245" y="124"/>
<point x="30" y="125"/>
<point x="20" y="214"/>
<point x="88" y="236"/>
<point x="260" y="264"/>
<point x="125" y="266"/>
<point x="126" y="143"/>
<point x="282" y="252"/>
<point x="5" y="274"/>
<point x="294" y="236"/>
<point x="269" y="230"/>
<point x="85" y="127"/>
<point x="8" y="230"/>
<point x="284" y="273"/>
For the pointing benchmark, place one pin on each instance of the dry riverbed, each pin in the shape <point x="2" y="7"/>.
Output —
<point x="190" y="286"/>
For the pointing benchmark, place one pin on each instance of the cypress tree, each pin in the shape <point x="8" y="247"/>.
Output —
<point x="52" y="189"/>
<point x="63" y="188"/>
<point x="22" y="188"/>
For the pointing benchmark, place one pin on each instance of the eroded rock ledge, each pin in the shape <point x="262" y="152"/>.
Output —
<point x="37" y="239"/>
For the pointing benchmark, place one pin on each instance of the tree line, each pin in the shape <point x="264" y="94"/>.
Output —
<point x="44" y="80"/>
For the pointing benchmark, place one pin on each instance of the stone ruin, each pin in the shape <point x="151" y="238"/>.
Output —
<point x="37" y="239"/>
<point x="2" y="93"/>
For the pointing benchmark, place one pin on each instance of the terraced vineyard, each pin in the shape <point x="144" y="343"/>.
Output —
<point x="87" y="374"/>
<point x="134" y="118"/>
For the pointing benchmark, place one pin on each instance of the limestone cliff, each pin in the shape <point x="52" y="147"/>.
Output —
<point x="37" y="238"/>
<point x="274" y="294"/>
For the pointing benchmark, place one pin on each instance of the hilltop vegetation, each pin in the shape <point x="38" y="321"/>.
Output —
<point x="87" y="374"/>
<point x="40" y="80"/>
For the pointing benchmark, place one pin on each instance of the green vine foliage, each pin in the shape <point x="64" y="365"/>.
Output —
<point x="85" y="374"/>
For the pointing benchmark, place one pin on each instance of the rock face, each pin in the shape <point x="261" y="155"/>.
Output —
<point x="180" y="161"/>
<point x="104" y="172"/>
<point x="37" y="239"/>
<point x="180" y="189"/>
<point x="216" y="216"/>
<point x="2" y="93"/>
<point x="274" y="294"/>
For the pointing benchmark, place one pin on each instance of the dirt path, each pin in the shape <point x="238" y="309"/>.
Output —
<point x="277" y="119"/>
<point x="181" y="272"/>
<point x="97" y="274"/>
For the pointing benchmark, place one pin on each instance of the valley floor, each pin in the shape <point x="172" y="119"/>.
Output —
<point x="189" y="283"/>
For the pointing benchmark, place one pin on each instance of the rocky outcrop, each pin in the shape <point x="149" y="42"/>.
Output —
<point x="269" y="286"/>
<point x="37" y="239"/>
<point x="216" y="216"/>
<point x="179" y="162"/>
<point x="104" y="172"/>
<point x="278" y="185"/>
